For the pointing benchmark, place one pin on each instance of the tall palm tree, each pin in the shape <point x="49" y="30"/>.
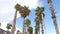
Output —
<point x="24" y="11"/>
<point x="40" y="14"/>
<point x="27" y="22"/>
<point x="8" y="26"/>
<point x="14" y="23"/>
<point x="53" y="16"/>
<point x="30" y="30"/>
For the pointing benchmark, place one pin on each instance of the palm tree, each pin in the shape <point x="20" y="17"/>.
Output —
<point x="27" y="22"/>
<point x="18" y="32"/>
<point x="14" y="23"/>
<point x="8" y="26"/>
<point x="30" y="30"/>
<point x="40" y="15"/>
<point x="53" y="16"/>
<point x="24" y="11"/>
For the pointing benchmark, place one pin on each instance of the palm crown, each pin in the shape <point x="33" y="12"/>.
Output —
<point x="27" y="21"/>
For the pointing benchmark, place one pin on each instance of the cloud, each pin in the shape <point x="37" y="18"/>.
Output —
<point x="3" y="26"/>
<point x="7" y="9"/>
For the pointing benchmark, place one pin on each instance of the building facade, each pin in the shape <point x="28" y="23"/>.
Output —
<point x="4" y="32"/>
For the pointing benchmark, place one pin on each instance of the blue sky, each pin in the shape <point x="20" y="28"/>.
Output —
<point x="47" y="20"/>
<point x="49" y="26"/>
<point x="7" y="11"/>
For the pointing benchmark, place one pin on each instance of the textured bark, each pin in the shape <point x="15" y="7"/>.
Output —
<point x="42" y="28"/>
<point x="36" y="32"/>
<point x="24" y="27"/>
<point x="37" y="29"/>
<point x="42" y="24"/>
<point x="14" y="23"/>
<point x="53" y="16"/>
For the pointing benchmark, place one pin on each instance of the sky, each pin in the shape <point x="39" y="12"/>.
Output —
<point x="7" y="12"/>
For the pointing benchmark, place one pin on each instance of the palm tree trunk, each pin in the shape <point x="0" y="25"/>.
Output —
<point x="27" y="28"/>
<point x="42" y="28"/>
<point x="36" y="29"/>
<point x="23" y="28"/>
<point x="14" y="23"/>
<point x="42" y="24"/>
<point x="39" y="28"/>
<point x="53" y="16"/>
<point x="24" y="31"/>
